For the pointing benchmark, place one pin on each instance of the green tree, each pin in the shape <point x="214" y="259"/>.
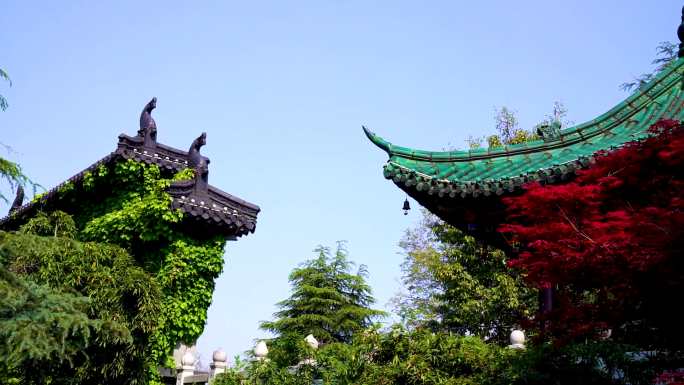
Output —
<point x="3" y="101"/>
<point x="86" y="302"/>
<point x="666" y="53"/>
<point x="12" y="174"/>
<point x="328" y="300"/>
<point x="10" y="171"/>
<point x="455" y="284"/>
<point x="45" y="331"/>
<point x="508" y="130"/>
<point x="506" y="124"/>
<point x="559" y="114"/>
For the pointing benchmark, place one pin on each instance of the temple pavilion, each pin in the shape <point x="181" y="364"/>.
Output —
<point x="465" y="188"/>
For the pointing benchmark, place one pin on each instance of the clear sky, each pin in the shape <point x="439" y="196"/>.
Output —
<point x="282" y="89"/>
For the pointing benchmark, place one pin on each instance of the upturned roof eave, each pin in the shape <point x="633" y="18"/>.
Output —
<point x="568" y="136"/>
<point x="492" y="172"/>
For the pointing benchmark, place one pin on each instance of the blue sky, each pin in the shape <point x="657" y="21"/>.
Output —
<point x="282" y="89"/>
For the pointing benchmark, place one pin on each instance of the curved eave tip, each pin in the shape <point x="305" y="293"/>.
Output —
<point x="378" y="141"/>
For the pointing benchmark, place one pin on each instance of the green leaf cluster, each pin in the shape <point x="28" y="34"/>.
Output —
<point x="509" y="133"/>
<point x="397" y="356"/>
<point x="10" y="171"/>
<point x="46" y="333"/>
<point x="12" y="174"/>
<point x="455" y="284"/>
<point x="73" y="311"/>
<point x="589" y="362"/>
<point x="268" y="373"/>
<point x="3" y="101"/>
<point x="666" y="54"/>
<point x="424" y="357"/>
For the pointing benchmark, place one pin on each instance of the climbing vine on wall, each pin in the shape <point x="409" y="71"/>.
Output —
<point x="126" y="204"/>
<point x="187" y="278"/>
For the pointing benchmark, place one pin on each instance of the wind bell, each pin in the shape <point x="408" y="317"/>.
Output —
<point x="406" y="207"/>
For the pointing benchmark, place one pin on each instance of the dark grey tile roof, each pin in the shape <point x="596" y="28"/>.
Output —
<point x="223" y="212"/>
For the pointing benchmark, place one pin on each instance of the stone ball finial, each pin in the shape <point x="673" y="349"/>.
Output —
<point x="311" y="341"/>
<point x="188" y="358"/>
<point x="517" y="339"/>
<point x="261" y="350"/>
<point x="605" y="334"/>
<point x="219" y="356"/>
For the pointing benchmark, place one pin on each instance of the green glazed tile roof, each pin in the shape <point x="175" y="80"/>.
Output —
<point x="505" y="169"/>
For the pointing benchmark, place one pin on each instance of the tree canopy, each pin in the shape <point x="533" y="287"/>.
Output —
<point x="666" y="53"/>
<point x="508" y="131"/>
<point x="328" y="300"/>
<point x="11" y="172"/>
<point x="455" y="284"/>
<point x="610" y="242"/>
<point x="73" y="311"/>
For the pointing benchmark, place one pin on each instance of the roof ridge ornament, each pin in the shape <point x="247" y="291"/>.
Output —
<point x="680" y="34"/>
<point x="18" y="200"/>
<point x="549" y="131"/>
<point x="199" y="163"/>
<point x="148" y="127"/>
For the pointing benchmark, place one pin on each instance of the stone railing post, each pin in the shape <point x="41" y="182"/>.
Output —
<point x="219" y="364"/>
<point x="187" y="369"/>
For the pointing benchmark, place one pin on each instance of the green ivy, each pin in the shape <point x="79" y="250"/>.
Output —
<point x="37" y="197"/>
<point x="187" y="279"/>
<point x="65" y="188"/>
<point x="126" y="204"/>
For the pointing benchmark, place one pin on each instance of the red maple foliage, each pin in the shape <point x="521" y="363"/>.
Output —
<point x="670" y="378"/>
<point x="610" y="242"/>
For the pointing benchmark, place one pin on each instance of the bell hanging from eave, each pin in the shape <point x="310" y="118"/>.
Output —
<point x="406" y="207"/>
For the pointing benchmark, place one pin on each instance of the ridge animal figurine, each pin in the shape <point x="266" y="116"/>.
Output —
<point x="18" y="200"/>
<point x="148" y="127"/>
<point x="198" y="162"/>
